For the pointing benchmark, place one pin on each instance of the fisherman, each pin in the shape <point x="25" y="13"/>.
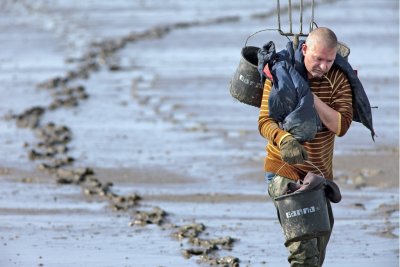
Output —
<point x="286" y="157"/>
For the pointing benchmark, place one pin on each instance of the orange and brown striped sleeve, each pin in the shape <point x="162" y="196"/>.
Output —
<point x="268" y="127"/>
<point x="341" y="101"/>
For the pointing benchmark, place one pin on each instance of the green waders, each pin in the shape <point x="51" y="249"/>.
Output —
<point x="306" y="253"/>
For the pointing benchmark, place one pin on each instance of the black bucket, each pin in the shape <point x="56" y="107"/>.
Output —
<point x="303" y="215"/>
<point x="246" y="83"/>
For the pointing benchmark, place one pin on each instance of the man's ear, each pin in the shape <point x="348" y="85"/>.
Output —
<point x="304" y="49"/>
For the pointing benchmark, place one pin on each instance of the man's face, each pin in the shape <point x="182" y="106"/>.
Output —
<point x="318" y="59"/>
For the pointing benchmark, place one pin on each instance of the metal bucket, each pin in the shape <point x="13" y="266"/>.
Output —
<point x="303" y="215"/>
<point x="246" y="83"/>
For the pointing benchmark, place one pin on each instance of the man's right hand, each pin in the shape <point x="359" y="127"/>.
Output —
<point x="292" y="151"/>
<point x="267" y="73"/>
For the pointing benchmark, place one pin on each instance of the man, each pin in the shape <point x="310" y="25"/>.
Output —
<point x="286" y="157"/>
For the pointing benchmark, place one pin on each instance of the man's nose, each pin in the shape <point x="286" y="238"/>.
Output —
<point x="324" y="66"/>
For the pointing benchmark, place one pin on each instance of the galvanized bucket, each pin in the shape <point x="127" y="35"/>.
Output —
<point x="246" y="83"/>
<point x="303" y="215"/>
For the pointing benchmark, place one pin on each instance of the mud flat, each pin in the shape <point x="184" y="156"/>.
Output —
<point x="121" y="145"/>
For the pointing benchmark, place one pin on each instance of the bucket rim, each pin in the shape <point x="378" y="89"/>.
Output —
<point x="251" y="47"/>
<point x="245" y="59"/>
<point x="296" y="193"/>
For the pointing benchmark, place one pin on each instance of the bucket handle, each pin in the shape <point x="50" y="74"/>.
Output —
<point x="309" y="162"/>
<point x="306" y="161"/>
<point x="263" y="30"/>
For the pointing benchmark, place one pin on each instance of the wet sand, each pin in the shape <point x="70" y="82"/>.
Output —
<point x="42" y="220"/>
<point x="135" y="156"/>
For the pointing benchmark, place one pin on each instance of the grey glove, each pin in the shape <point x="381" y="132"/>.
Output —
<point x="292" y="151"/>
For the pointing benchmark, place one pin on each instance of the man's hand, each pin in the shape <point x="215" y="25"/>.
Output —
<point x="267" y="73"/>
<point x="329" y="117"/>
<point x="292" y="151"/>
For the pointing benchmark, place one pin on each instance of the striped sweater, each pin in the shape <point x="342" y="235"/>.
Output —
<point x="334" y="90"/>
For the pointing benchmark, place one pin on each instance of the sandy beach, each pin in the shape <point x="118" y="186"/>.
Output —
<point x="122" y="146"/>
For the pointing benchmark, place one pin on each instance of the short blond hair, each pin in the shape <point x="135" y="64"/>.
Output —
<point x="323" y="36"/>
